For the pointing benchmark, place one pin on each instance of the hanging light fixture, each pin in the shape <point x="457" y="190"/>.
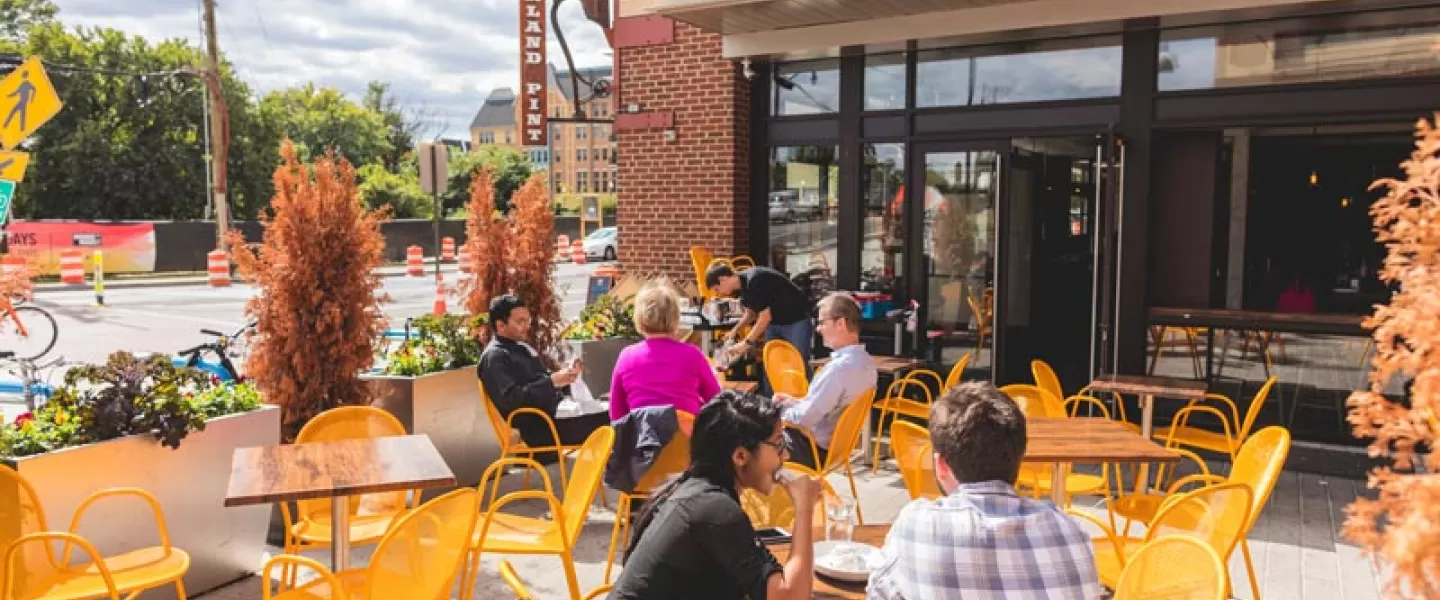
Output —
<point x="1314" y="178"/>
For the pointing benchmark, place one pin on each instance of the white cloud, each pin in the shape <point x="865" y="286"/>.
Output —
<point x="442" y="56"/>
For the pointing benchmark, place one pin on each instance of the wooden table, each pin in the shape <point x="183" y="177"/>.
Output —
<point x="740" y="386"/>
<point x="1253" y="321"/>
<point x="334" y="470"/>
<point x="1147" y="387"/>
<point x="834" y="589"/>
<point x="1062" y="440"/>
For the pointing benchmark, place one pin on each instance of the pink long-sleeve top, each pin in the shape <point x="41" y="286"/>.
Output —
<point x="661" y="372"/>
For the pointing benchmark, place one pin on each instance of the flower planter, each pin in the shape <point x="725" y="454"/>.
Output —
<point x="600" y="357"/>
<point x="225" y="544"/>
<point x="445" y="406"/>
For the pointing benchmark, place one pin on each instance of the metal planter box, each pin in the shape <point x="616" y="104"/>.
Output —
<point x="225" y="544"/>
<point x="445" y="406"/>
<point x="600" y="357"/>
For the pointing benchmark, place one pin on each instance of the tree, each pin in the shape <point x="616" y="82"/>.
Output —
<point x="402" y="193"/>
<point x="1403" y="523"/>
<point x="509" y="169"/>
<point x="404" y="125"/>
<point x="17" y="16"/>
<point x="319" y="314"/>
<point x="319" y="119"/>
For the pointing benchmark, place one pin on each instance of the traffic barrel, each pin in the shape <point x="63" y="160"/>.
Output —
<point x="440" y="308"/>
<point x="414" y="261"/>
<point x="607" y="270"/>
<point x="13" y="264"/>
<point x="447" y="250"/>
<point x="562" y="247"/>
<point x="72" y="266"/>
<point x="577" y="253"/>
<point x="466" y="261"/>
<point x="217" y="264"/>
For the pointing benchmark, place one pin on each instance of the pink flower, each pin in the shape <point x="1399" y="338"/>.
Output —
<point x="24" y="418"/>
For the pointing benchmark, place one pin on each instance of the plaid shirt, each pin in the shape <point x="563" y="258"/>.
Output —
<point x="985" y="542"/>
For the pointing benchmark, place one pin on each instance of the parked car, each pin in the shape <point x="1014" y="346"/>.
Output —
<point x="601" y="243"/>
<point x="786" y="206"/>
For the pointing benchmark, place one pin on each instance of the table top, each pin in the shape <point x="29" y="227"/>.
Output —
<point x="1148" y="385"/>
<point x="740" y="386"/>
<point x="833" y="589"/>
<point x="289" y="472"/>
<point x="888" y="365"/>
<point x="1089" y="440"/>
<point x="1225" y="318"/>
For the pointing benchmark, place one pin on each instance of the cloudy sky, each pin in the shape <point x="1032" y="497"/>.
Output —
<point x="441" y="56"/>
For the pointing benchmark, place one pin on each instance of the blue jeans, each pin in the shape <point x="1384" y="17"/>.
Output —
<point x="800" y="334"/>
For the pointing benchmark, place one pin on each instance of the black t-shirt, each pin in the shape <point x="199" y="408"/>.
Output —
<point x="700" y="546"/>
<point x="764" y="287"/>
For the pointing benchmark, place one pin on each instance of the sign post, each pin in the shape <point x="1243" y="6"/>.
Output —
<point x="7" y="194"/>
<point x="434" y="180"/>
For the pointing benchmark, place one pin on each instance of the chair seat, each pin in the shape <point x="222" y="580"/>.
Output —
<point x="1108" y="564"/>
<point x="132" y="571"/>
<point x="1075" y="483"/>
<point x="514" y="534"/>
<point x="1200" y="438"/>
<point x="905" y="406"/>
<point x="1137" y="507"/>
<point x="364" y="528"/>
<point x="356" y="587"/>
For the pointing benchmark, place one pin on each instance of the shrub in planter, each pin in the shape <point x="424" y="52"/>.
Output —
<point x="438" y="344"/>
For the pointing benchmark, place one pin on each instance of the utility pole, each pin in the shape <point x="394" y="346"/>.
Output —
<point x="218" y="139"/>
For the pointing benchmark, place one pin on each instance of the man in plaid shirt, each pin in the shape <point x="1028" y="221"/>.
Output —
<point x="983" y="541"/>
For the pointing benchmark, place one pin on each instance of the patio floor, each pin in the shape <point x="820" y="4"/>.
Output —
<point x="1297" y="548"/>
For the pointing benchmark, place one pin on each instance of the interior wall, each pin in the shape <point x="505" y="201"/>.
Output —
<point x="1182" y="218"/>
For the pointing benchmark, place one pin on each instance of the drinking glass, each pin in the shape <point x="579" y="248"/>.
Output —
<point x="839" y="518"/>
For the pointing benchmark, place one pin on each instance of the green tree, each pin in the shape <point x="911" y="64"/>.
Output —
<point x="403" y="125"/>
<point x="16" y="17"/>
<point x="401" y="192"/>
<point x="316" y="119"/>
<point x="510" y="169"/>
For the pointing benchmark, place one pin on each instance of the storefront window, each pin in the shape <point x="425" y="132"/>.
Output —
<point x="959" y="200"/>
<point x="885" y="82"/>
<point x="807" y="88"/>
<point x="882" y="253"/>
<point x="804" y="188"/>
<point x="1033" y="72"/>
<point x="1338" y="48"/>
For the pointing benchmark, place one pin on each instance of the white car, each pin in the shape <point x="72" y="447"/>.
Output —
<point x="601" y="244"/>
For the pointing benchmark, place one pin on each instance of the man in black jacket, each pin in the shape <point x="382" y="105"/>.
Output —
<point x="513" y="376"/>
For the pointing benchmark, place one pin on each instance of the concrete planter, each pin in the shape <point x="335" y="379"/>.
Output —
<point x="445" y="406"/>
<point x="600" y="357"/>
<point x="225" y="544"/>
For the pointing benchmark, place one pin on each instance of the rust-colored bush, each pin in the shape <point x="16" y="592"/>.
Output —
<point x="319" y="316"/>
<point x="515" y="255"/>
<point x="17" y="283"/>
<point x="1403" y="524"/>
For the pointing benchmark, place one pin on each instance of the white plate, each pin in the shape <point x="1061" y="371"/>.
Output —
<point x="856" y="566"/>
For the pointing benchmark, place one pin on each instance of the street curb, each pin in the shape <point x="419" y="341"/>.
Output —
<point x="123" y="284"/>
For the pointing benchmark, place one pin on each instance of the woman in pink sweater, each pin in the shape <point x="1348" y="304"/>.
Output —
<point x="661" y="370"/>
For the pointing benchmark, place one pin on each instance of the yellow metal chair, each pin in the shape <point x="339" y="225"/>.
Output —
<point x="1141" y="506"/>
<point x="1034" y="401"/>
<point x="899" y="401"/>
<point x="785" y="368"/>
<point x="417" y="558"/>
<point x="1038" y="478"/>
<point x="1217" y="515"/>
<point x="371" y="515"/>
<point x="916" y="457"/>
<point x="984" y="313"/>
<point x="672" y="460"/>
<point x="1236" y="430"/>
<point x="843" y="442"/>
<point x="511" y="444"/>
<point x="1046" y="379"/>
<point x="32" y="571"/>
<point x="777" y="509"/>
<point x="512" y="579"/>
<point x="505" y="533"/>
<point x="1152" y="573"/>
<point x="702" y="258"/>
<point x="957" y="372"/>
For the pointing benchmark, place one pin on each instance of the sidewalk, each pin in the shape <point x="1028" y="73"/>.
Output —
<point x="150" y="280"/>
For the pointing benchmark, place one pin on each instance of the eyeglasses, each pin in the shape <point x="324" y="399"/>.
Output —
<point x="778" y="445"/>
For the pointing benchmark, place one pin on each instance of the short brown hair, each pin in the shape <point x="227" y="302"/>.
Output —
<point x="657" y="309"/>
<point x="841" y="306"/>
<point x="979" y="432"/>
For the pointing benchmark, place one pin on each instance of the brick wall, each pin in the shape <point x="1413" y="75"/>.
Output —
<point x="693" y="190"/>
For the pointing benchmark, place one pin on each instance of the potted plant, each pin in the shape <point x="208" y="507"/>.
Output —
<point x="603" y="329"/>
<point x="428" y="381"/>
<point x="143" y="423"/>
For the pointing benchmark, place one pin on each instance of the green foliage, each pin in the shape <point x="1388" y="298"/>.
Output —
<point x="437" y="344"/>
<point x="607" y="318"/>
<point x="17" y="16"/>
<point x="570" y="203"/>
<point x="379" y="187"/>
<point x="510" y="169"/>
<point x="317" y="119"/>
<point x="126" y="396"/>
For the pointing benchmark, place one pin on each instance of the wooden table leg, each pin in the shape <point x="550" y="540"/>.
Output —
<point x="1057" y="484"/>
<point x="1147" y="430"/>
<point x="340" y="534"/>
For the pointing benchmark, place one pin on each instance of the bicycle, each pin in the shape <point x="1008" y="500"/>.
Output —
<point x="31" y="385"/>
<point x="224" y="347"/>
<point x="37" y="328"/>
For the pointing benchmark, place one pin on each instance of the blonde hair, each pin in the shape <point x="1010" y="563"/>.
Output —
<point x="657" y="309"/>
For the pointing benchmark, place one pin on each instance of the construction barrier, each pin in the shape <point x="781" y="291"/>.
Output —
<point x="467" y="263"/>
<point x="577" y="253"/>
<point x="607" y="270"/>
<point x="414" y="261"/>
<point x="440" y="308"/>
<point x="72" y="266"/>
<point x="562" y="248"/>
<point x="217" y="264"/>
<point x="447" y="250"/>
<point x="13" y="264"/>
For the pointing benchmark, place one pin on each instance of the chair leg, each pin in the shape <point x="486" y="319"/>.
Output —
<point x="180" y="589"/>
<point x="879" y="433"/>
<point x="468" y="571"/>
<point x="854" y="493"/>
<point x="622" y="511"/>
<point x="570" y="575"/>
<point x="1250" y="568"/>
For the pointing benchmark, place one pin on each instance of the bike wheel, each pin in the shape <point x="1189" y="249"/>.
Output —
<point x="39" y="332"/>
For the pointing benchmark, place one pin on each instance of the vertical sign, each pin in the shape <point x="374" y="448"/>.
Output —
<point x="534" y="75"/>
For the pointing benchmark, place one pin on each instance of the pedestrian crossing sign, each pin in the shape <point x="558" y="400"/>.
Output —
<point x="27" y="101"/>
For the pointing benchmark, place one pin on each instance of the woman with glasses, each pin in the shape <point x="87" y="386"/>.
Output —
<point x="694" y="541"/>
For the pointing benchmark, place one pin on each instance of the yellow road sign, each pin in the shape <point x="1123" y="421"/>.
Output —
<point x="12" y="165"/>
<point x="27" y="101"/>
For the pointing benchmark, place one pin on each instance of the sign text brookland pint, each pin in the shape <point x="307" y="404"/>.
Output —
<point x="534" y="74"/>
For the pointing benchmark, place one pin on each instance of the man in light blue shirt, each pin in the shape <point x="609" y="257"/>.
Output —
<point x="849" y="374"/>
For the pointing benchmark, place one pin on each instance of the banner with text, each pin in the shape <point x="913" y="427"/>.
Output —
<point x="128" y="247"/>
<point x="534" y="75"/>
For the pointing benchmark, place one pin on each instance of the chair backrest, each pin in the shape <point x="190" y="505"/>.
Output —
<point x="700" y="259"/>
<point x="1152" y="573"/>
<point x="1046" y="379"/>
<point x="846" y="436"/>
<point x="497" y="421"/>
<point x="22" y="514"/>
<point x="1258" y="465"/>
<point x="352" y="423"/>
<point x="785" y="368"/>
<point x="1253" y="413"/>
<point x="1035" y="402"/>
<point x="1218" y="515"/>
<point x="673" y="459"/>
<point x="957" y="372"/>
<point x="585" y="479"/>
<point x="916" y="457"/>
<point x="420" y="555"/>
<point x="776" y="509"/>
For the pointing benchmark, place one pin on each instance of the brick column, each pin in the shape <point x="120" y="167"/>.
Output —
<point x="683" y="164"/>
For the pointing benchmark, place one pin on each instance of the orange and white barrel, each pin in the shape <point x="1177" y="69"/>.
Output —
<point x="562" y="248"/>
<point x="72" y="266"/>
<point x="467" y="263"/>
<point x="217" y="265"/>
<point x="447" y="250"/>
<point x="607" y="270"/>
<point x="414" y="261"/>
<point x="13" y="264"/>
<point x="577" y="253"/>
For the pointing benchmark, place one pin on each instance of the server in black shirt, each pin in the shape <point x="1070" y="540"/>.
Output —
<point x="693" y="540"/>
<point x="773" y="304"/>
